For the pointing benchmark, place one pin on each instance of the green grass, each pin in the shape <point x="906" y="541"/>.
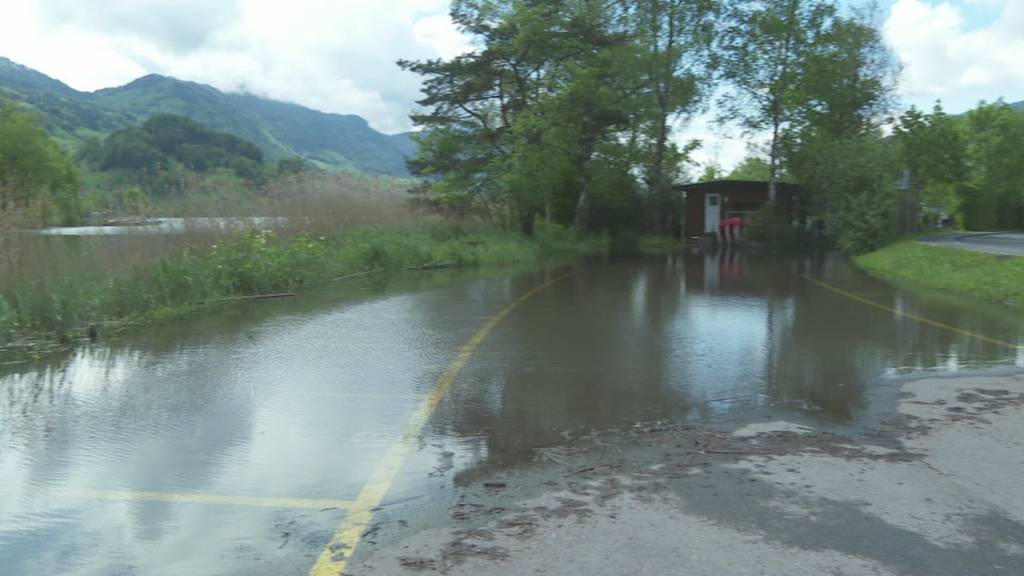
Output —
<point x="263" y="263"/>
<point x="950" y="270"/>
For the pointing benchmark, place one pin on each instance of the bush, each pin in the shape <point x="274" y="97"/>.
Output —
<point x="865" y="222"/>
<point x="770" y="229"/>
<point x="851" y="184"/>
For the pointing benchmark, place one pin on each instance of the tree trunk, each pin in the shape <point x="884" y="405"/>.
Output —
<point x="581" y="220"/>
<point x="664" y="202"/>
<point x="773" y="162"/>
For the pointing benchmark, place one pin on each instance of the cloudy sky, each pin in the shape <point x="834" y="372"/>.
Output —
<point x="338" y="55"/>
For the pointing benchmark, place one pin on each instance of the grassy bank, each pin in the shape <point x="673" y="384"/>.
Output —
<point x="262" y="263"/>
<point x="950" y="270"/>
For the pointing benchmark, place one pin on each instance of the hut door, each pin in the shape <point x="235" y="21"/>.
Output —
<point x="712" y="213"/>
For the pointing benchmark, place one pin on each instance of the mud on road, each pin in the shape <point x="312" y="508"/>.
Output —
<point x="930" y="486"/>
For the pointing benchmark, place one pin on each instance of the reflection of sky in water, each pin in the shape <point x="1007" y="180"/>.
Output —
<point x="721" y="345"/>
<point x="287" y="410"/>
<point x="171" y="226"/>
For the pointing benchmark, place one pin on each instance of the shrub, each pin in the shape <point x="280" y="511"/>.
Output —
<point x="769" y="228"/>
<point x="261" y="262"/>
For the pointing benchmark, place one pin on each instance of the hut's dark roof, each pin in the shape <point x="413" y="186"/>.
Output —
<point x="736" y="185"/>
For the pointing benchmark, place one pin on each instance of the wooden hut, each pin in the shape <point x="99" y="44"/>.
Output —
<point x="709" y="203"/>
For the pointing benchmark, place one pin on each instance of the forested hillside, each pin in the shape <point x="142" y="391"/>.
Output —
<point x="151" y="152"/>
<point x="281" y="130"/>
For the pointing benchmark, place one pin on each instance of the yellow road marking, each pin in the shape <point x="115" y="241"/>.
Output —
<point x="921" y="319"/>
<point x="186" y="498"/>
<point x="335" y="555"/>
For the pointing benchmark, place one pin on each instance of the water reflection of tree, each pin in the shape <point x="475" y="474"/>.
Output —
<point x="614" y="344"/>
<point x="837" y="347"/>
<point x="588" y="352"/>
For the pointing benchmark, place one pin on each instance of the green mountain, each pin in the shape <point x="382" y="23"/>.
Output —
<point x="1018" y="105"/>
<point x="280" y="129"/>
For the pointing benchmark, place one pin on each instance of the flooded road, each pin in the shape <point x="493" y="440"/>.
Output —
<point x="238" y="441"/>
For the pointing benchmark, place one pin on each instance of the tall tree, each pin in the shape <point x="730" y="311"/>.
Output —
<point x="845" y="81"/>
<point x="538" y="98"/>
<point x="593" y="92"/>
<point x="934" y="152"/>
<point x="764" y="52"/>
<point x="995" y="153"/>
<point x="673" y="41"/>
<point x="37" y="179"/>
<point x="473" y="103"/>
<point x="751" y="168"/>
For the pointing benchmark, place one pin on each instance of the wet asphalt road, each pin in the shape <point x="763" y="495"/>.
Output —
<point x="236" y="442"/>
<point x="1002" y="243"/>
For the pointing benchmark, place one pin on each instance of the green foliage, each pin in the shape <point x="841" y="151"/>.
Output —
<point x="934" y="152"/>
<point x="763" y="50"/>
<point x="295" y="165"/>
<point x="970" y="166"/>
<point x="164" y="144"/>
<point x="770" y="229"/>
<point x="852" y="186"/>
<point x="260" y="262"/>
<point x="751" y="168"/>
<point x="670" y="60"/>
<point x="565" y="111"/>
<point x="712" y="171"/>
<point x="994" y="198"/>
<point x="805" y="73"/>
<point x="36" y="177"/>
<point x="950" y="270"/>
<point x="566" y="108"/>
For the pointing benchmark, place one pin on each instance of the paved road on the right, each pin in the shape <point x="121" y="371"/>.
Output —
<point x="1003" y="243"/>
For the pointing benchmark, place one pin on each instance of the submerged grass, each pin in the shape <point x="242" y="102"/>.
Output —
<point x="950" y="270"/>
<point x="261" y="262"/>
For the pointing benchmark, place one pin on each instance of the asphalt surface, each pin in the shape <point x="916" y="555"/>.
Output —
<point x="1002" y="243"/>
<point x="300" y="436"/>
<point x="933" y="491"/>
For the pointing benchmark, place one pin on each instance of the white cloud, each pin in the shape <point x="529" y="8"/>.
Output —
<point x="944" y="57"/>
<point x="440" y="33"/>
<point x="723" y="145"/>
<point x="336" y="56"/>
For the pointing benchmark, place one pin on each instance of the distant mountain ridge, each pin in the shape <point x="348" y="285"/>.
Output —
<point x="280" y="129"/>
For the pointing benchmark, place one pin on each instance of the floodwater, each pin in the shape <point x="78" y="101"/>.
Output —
<point x="221" y="225"/>
<point x="219" y="444"/>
